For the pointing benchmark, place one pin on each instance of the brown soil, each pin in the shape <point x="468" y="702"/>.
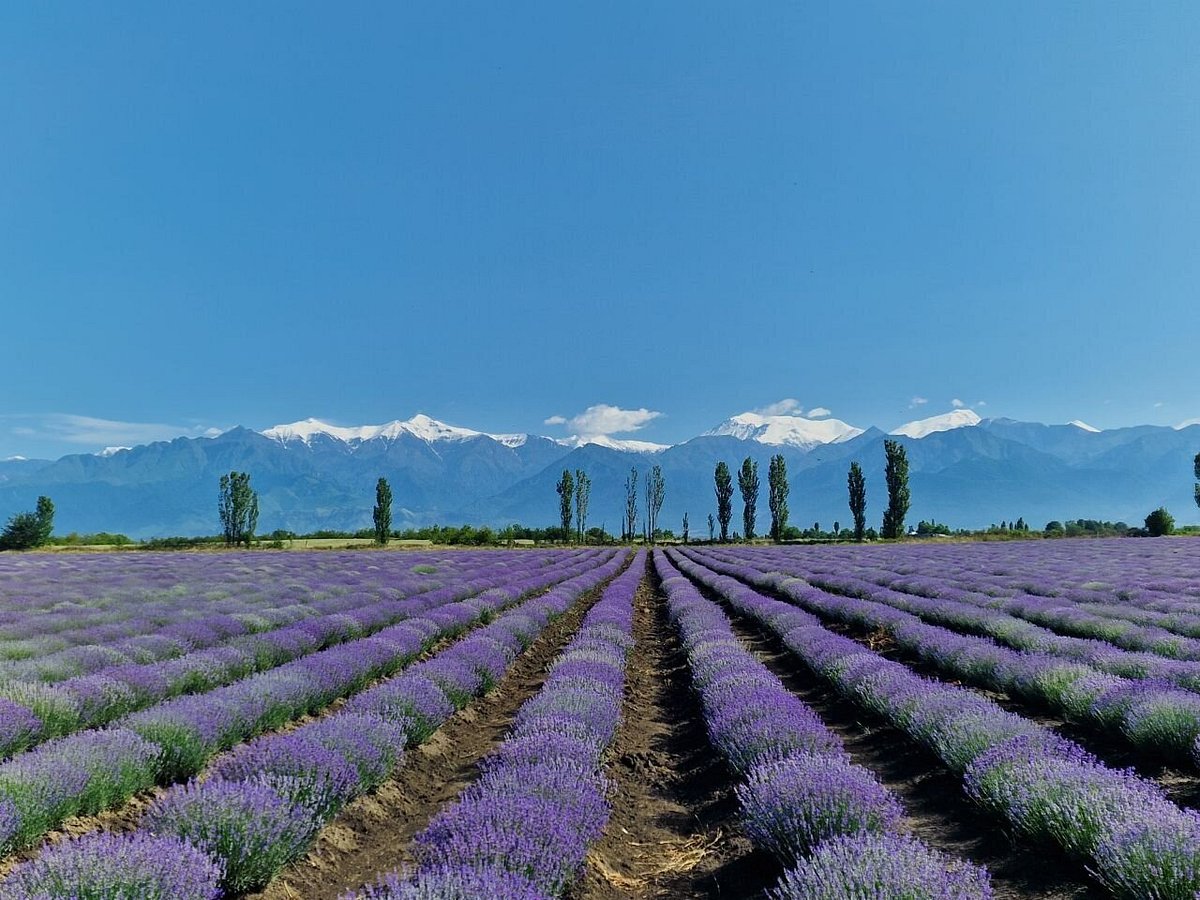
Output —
<point x="673" y="831"/>
<point x="373" y="834"/>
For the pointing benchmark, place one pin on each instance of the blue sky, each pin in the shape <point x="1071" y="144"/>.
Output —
<point x="496" y="214"/>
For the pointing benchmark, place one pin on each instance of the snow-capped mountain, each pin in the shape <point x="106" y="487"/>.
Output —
<point x="419" y="426"/>
<point x="312" y="475"/>
<point x="786" y="431"/>
<point x="627" y="446"/>
<point x="957" y="418"/>
<point x="1084" y="426"/>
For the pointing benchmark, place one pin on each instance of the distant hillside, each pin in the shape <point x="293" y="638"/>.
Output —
<point x="316" y="476"/>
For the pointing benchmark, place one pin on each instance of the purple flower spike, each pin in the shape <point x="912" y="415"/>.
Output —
<point x="118" y="867"/>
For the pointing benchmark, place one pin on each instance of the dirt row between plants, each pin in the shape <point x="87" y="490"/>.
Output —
<point x="936" y="809"/>
<point x="1182" y="784"/>
<point x="673" y="831"/>
<point x="373" y="834"/>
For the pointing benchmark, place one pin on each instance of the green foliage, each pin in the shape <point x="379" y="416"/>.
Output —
<point x="712" y="527"/>
<point x="238" y="508"/>
<point x="99" y="539"/>
<point x="685" y="528"/>
<point x="896" y="475"/>
<point x="930" y="528"/>
<point x="748" y="485"/>
<point x="777" y="494"/>
<point x="1196" y="470"/>
<point x="583" y="493"/>
<point x="656" y="492"/>
<point x="724" y="488"/>
<point x="382" y="513"/>
<point x="631" y="503"/>
<point x="857" y="486"/>
<point x="566" y="492"/>
<point x="27" y="530"/>
<point x="1159" y="522"/>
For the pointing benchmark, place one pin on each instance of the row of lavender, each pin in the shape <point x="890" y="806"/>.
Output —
<point x="1081" y="571"/>
<point x="522" y="830"/>
<point x="1074" y="677"/>
<point x="1131" y="837"/>
<point x="834" y="827"/>
<point x="55" y="602"/>
<point x="35" y="712"/>
<point x="260" y="806"/>
<point x="1091" y="589"/>
<point x="97" y="769"/>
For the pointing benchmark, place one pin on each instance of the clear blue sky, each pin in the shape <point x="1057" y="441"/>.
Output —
<point x="220" y="214"/>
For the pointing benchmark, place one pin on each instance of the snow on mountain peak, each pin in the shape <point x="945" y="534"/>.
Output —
<point x="420" y="426"/>
<point x="111" y="451"/>
<point x="1084" y="425"/>
<point x="791" y="431"/>
<point x="958" y="418"/>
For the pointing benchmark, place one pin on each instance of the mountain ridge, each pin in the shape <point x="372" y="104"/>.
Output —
<point x="313" y="475"/>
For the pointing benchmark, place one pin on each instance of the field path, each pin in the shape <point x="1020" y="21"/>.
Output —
<point x="373" y="834"/>
<point x="673" y="831"/>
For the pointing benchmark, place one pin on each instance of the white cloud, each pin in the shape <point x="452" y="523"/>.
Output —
<point x="786" y="407"/>
<point x="981" y="403"/>
<point x="819" y="412"/>
<point x="1158" y="404"/>
<point x="957" y="404"/>
<point x="602" y="420"/>
<point x="917" y="401"/>
<point x="90" y="431"/>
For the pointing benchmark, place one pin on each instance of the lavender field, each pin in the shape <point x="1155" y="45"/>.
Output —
<point x="901" y="721"/>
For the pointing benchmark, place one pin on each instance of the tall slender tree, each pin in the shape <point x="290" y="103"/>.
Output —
<point x="566" y="493"/>
<point x="583" y="493"/>
<point x="656" y="492"/>
<point x="896" y="474"/>
<point x="631" y="501"/>
<point x="1196" y="466"/>
<point x="748" y="485"/>
<point x="777" y="494"/>
<point x="858" y="500"/>
<point x="238" y="508"/>
<point x="712" y="527"/>
<point x="381" y="515"/>
<point x="724" y="488"/>
<point x="685" y="528"/>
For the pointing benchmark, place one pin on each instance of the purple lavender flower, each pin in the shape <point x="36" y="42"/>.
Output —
<point x="118" y="867"/>
<point x="452" y="883"/>
<point x="300" y="769"/>
<point x="882" y="866"/>
<point x="791" y="805"/>
<point x="246" y="825"/>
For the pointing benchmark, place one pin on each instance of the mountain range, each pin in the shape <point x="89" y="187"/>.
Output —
<point x="964" y="471"/>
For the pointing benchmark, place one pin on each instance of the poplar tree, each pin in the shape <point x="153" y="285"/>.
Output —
<point x="566" y="491"/>
<point x="858" y="500"/>
<point x="583" y="493"/>
<point x="631" y="501"/>
<point x="777" y="494"/>
<point x="382" y="513"/>
<point x="748" y="485"/>
<point x="1196" y="466"/>
<point x="896" y="474"/>
<point x="712" y="527"/>
<point x="685" y="528"/>
<point x="656" y="492"/>
<point x="724" y="488"/>
<point x="238" y="508"/>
